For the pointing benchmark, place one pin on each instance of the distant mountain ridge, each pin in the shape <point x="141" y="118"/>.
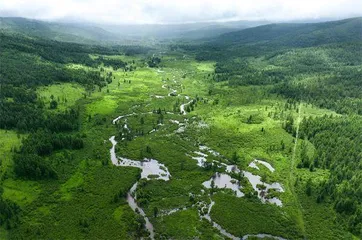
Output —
<point x="297" y="34"/>
<point x="181" y="31"/>
<point x="97" y="33"/>
<point x="225" y="34"/>
<point x="56" y="31"/>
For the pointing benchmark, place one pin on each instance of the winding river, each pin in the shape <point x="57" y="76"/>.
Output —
<point x="154" y="170"/>
<point x="150" y="167"/>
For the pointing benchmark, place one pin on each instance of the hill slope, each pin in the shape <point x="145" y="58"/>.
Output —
<point x="56" y="31"/>
<point x="297" y="34"/>
<point x="119" y="34"/>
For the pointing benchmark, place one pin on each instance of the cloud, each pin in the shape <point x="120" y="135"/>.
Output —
<point x="179" y="11"/>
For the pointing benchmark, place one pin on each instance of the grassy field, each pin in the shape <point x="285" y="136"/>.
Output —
<point x="66" y="94"/>
<point x="104" y="106"/>
<point x="21" y="192"/>
<point x="9" y="142"/>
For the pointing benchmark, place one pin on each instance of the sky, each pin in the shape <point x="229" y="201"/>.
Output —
<point x="178" y="11"/>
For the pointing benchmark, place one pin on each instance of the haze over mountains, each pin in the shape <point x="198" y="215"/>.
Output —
<point x="233" y="32"/>
<point x="297" y="34"/>
<point x="95" y="33"/>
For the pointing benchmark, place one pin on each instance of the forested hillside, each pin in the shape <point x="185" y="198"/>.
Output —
<point x="28" y="63"/>
<point x="313" y="62"/>
<point x="80" y="33"/>
<point x="296" y="34"/>
<point x="103" y="34"/>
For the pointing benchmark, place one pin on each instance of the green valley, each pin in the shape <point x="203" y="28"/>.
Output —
<point x="252" y="134"/>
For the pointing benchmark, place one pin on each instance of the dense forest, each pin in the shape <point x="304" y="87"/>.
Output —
<point x="30" y="63"/>
<point x="338" y="144"/>
<point x="26" y="64"/>
<point x="325" y="55"/>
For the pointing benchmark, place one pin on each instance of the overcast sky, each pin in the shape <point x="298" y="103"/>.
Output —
<point x="178" y="11"/>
